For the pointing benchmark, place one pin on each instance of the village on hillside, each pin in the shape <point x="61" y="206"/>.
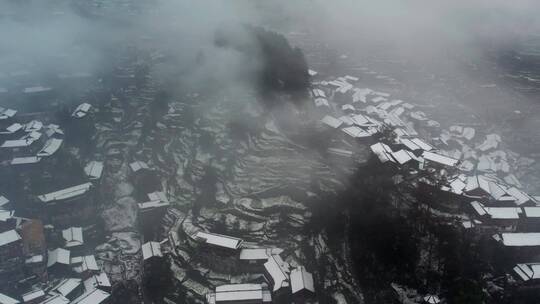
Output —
<point x="470" y="176"/>
<point x="118" y="189"/>
<point x="50" y="249"/>
<point x="59" y="240"/>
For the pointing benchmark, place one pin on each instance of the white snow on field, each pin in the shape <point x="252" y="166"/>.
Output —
<point x="122" y="215"/>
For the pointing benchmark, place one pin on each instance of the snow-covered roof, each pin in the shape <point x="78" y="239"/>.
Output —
<point x="17" y="143"/>
<point x="3" y="200"/>
<point x="422" y="144"/>
<point x="65" y="193"/>
<point x="457" y="185"/>
<point x="469" y="133"/>
<point x="152" y="204"/>
<point x="32" y="136"/>
<point x="34" y="259"/>
<point x="238" y="293"/>
<point x="342" y="85"/>
<point x="138" y="165"/>
<point x="356" y="132"/>
<point x="485" y="163"/>
<point x="34" y="125"/>
<point x="258" y="253"/>
<point x="432" y="299"/>
<point x="502" y="213"/>
<point x="528" y="271"/>
<point x="95" y="296"/>
<point x="518" y="239"/>
<point x="32" y="295"/>
<point x="51" y="146"/>
<point x="479" y="208"/>
<point x="219" y="240"/>
<point x="267" y="295"/>
<point x="9" y="237"/>
<point x="25" y="160"/>
<point x="84" y="263"/>
<point x="520" y="196"/>
<point x="497" y="190"/>
<point x="278" y="271"/>
<point x="403" y="156"/>
<point x="7" y="113"/>
<point x="73" y="236"/>
<point x="318" y="93"/>
<point x="397" y="111"/>
<point x="156" y="200"/>
<point x="66" y="286"/>
<point x="54" y="130"/>
<point x="36" y="89"/>
<point x="158" y="196"/>
<point x="331" y="121"/>
<point x="301" y="279"/>
<point x="466" y="166"/>
<point x="4" y="299"/>
<point x="58" y="256"/>
<point x="97" y="281"/>
<point x="383" y="152"/>
<point x="12" y="128"/>
<point x="151" y="249"/>
<point x="94" y="169"/>
<point x="56" y="299"/>
<point x="511" y="179"/>
<point x="361" y="120"/>
<point x="532" y="212"/>
<point x="440" y="159"/>
<point x="409" y="144"/>
<point x="347" y="120"/>
<point x="478" y="182"/>
<point x="6" y="215"/>
<point x="81" y="110"/>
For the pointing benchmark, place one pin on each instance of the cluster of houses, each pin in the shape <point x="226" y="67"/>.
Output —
<point x="477" y="178"/>
<point x="28" y="143"/>
<point x="52" y="246"/>
<point x="280" y="283"/>
<point x="44" y="256"/>
<point x="48" y="263"/>
<point x="361" y="112"/>
<point x="153" y="205"/>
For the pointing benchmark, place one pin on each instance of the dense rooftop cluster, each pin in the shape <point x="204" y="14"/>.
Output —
<point x="469" y="174"/>
<point x="43" y="257"/>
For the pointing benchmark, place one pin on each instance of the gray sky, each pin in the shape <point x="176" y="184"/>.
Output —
<point x="413" y="29"/>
